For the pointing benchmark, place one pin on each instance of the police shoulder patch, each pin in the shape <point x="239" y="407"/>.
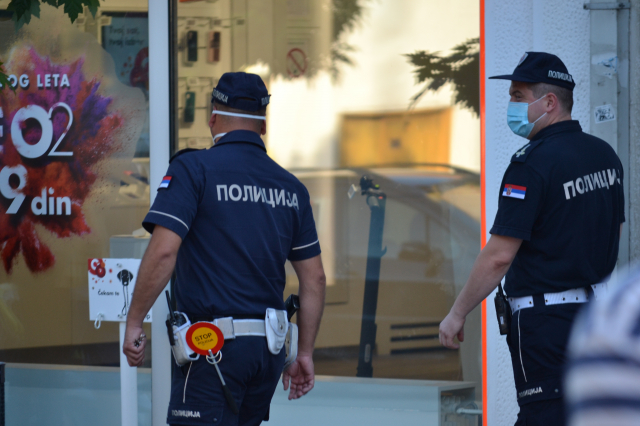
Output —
<point x="521" y="155"/>
<point x="182" y="151"/>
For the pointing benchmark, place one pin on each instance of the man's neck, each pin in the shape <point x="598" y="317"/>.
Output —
<point x="552" y="120"/>
<point x="228" y="129"/>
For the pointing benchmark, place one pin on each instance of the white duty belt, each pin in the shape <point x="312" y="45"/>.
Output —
<point x="232" y="328"/>
<point x="575" y="295"/>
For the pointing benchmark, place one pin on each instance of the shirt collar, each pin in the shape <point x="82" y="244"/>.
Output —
<point x="560" y="127"/>
<point x="245" y="136"/>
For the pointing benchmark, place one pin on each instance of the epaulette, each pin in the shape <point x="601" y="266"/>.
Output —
<point x="182" y="151"/>
<point x="521" y="155"/>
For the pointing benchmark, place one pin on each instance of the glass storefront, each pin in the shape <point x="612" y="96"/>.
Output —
<point x="374" y="108"/>
<point x="74" y="169"/>
<point x="351" y="98"/>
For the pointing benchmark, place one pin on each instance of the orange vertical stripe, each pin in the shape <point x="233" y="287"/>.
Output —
<point x="483" y="216"/>
<point x="483" y="213"/>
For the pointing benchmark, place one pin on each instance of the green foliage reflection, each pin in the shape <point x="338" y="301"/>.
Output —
<point x="23" y="10"/>
<point x="461" y="68"/>
<point x="346" y="15"/>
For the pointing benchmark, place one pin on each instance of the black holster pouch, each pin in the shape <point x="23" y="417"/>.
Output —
<point x="503" y="311"/>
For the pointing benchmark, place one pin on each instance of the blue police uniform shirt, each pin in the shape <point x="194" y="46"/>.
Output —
<point x="563" y="196"/>
<point x="240" y="216"/>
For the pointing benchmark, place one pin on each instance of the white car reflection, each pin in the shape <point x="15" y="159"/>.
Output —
<point x="432" y="237"/>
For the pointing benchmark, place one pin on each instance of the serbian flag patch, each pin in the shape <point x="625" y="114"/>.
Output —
<point x="165" y="182"/>
<point x="514" y="191"/>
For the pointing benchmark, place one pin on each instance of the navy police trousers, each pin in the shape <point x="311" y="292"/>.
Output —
<point x="538" y="341"/>
<point x="251" y="373"/>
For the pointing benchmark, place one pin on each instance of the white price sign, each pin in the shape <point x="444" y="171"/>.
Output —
<point x="111" y="286"/>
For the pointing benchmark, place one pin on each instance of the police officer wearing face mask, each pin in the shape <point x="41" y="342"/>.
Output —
<point x="229" y="218"/>
<point x="555" y="236"/>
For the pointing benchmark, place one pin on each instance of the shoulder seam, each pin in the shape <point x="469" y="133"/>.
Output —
<point x="181" y="153"/>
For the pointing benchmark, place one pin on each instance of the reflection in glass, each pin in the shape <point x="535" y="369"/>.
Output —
<point x="430" y="244"/>
<point x="342" y="75"/>
<point x="344" y="105"/>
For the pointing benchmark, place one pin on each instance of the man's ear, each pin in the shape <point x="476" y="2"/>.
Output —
<point x="263" y="127"/>
<point x="552" y="102"/>
<point x="212" y="120"/>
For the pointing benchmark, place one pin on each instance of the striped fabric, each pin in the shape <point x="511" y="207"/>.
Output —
<point x="602" y="383"/>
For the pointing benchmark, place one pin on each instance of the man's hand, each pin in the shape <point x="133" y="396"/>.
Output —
<point x="450" y="327"/>
<point x="301" y="375"/>
<point x="492" y="264"/>
<point x="135" y="355"/>
<point x="312" y="289"/>
<point x="154" y="273"/>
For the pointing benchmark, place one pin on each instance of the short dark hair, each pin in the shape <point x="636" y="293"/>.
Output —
<point x="565" y="96"/>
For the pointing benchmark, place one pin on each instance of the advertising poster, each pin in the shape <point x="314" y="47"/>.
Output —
<point x="67" y="138"/>
<point x="126" y="39"/>
<point x="111" y="286"/>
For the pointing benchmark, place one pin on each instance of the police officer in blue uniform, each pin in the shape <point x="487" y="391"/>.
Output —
<point x="555" y="235"/>
<point x="229" y="218"/>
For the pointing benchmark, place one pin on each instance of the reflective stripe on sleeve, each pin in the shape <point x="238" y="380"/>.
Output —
<point x="308" y="245"/>
<point x="171" y="216"/>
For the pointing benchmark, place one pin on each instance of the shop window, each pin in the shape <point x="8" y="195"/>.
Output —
<point x="74" y="172"/>
<point x="363" y="88"/>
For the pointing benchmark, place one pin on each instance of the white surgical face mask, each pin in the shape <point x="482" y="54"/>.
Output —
<point x="234" y="114"/>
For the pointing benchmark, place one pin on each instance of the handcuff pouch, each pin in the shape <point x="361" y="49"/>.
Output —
<point x="276" y="327"/>
<point x="182" y="353"/>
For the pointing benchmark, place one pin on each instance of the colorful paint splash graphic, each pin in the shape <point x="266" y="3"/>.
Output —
<point x="62" y="177"/>
<point x="97" y="267"/>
